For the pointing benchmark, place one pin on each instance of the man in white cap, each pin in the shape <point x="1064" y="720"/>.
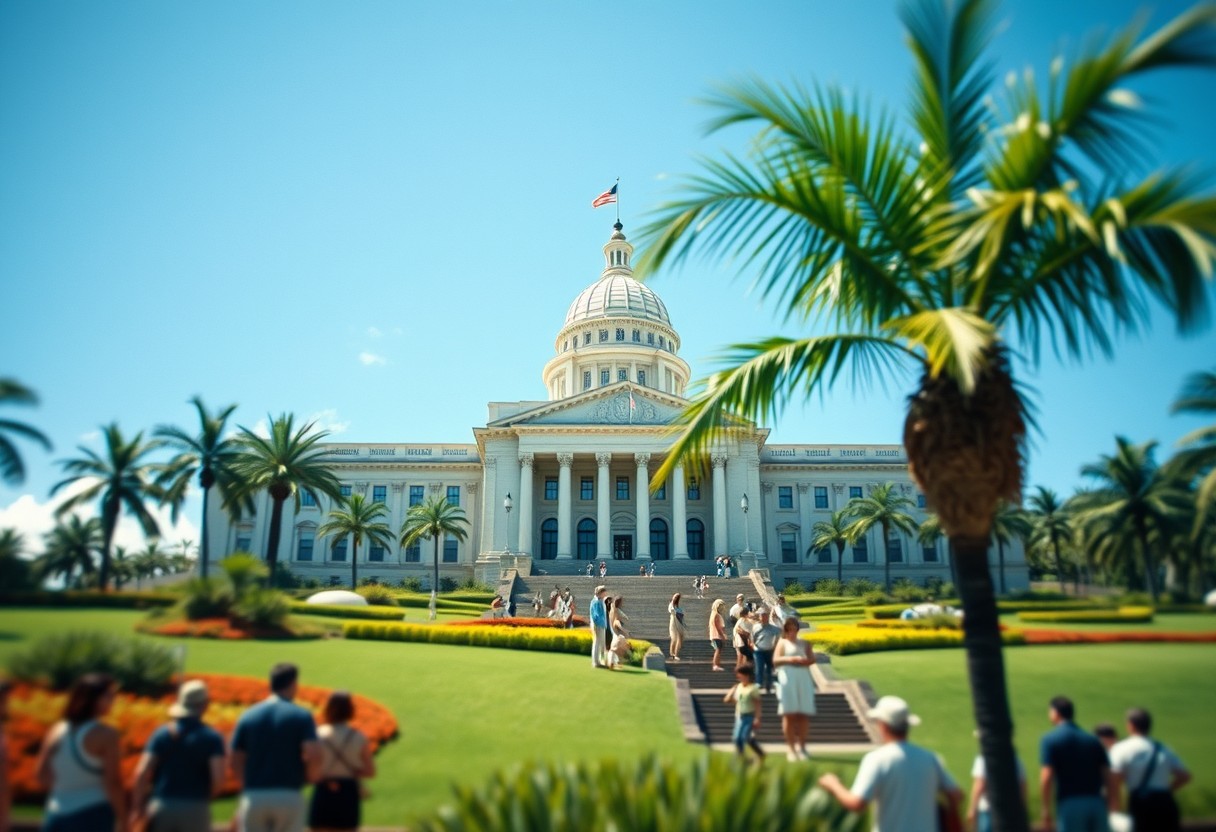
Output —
<point x="902" y="779"/>
<point x="183" y="764"/>
<point x="598" y="613"/>
<point x="735" y="613"/>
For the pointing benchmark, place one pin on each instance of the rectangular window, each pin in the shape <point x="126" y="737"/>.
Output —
<point x="620" y="334"/>
<point x="375" y="554"/>
<point x="694" y="488"/>
<point x="662" y="342"/>
<point x="920" y="500"/>
<point x="821" y="496"/>
<point x="605" y="377"/>
<point x="622" y="488"/>
<point x="586" y="488"/>
<point x="854" y="492"/>
<point x="642" y="377"/>
<point x="566" y="346"/>
<point x="307" y="500"/>
<point x="416" y="492"/>
<point x="379" y="493"/>
<point x="344" y="490"/>
<point x="895" y="550"/>
<point x="339" y="551"/>
<point x="637" y="336"/>
<point x="454" y="494"/>
<point x="450" y="550"/>
<point x="785" y="496"/>
<point x="586" y="379"/>
<point x="650" y="338"/>
<point x="660" y="493"/>
<point x="304" y="550"/>
<point x="413" y="554"/>
<point x="824" y="555"/>
<point x="603" y="335"/>
<point x="586" y="338"/>
<point x="550" y="488"/>
<point x="244" y="540"/>
<point x="789" y="548"/>
<point x="861" y="551"/>
<point x="622" y="375"/>
<point x="929" y="553"/>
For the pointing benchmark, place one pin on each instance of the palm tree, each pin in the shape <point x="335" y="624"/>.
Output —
<point x="120" y="480"/>
<point x="1198" y="457"/>
<point x="12" y="544"/>
<point x="70" y="550"/>
<point x="833" y="532"/>
<point x="1000" y="210"/>
<point x="210" y="455"/>
<point x="1008" y="524"/>
<point x="431" y="519"/>
<point x="122" y="569"/>
<point x="883" y="507"/>
<point x="283" y="464"/>
<point x="360" y="520"/>
<point x="1050" y="526"/>
<point x="148" y="562"/>
<point x="14" y="569"/>
<point x="12" y="469"/>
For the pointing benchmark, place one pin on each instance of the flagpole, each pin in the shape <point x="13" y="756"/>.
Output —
<point x="618" y="199"/>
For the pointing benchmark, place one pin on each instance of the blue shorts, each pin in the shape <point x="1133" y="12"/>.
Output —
<point x="90" y="819"/>
<point x="743" y="729"/>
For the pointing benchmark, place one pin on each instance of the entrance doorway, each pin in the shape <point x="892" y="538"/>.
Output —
<point x="622" y="547"/>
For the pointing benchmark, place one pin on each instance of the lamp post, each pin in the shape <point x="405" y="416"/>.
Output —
<point x="507" y="505"/>
<point x="747" y="545"/>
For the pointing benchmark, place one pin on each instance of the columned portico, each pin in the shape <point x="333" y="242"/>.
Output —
<point x="642" y="546"/>
<point x="564" y="463"/>
<point x="603" y="513"/>
<point x="679" y="512"/>
<point x="721" y="543"/>
<point x="526" y="461"/>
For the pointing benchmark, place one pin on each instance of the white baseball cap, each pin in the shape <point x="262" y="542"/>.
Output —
<point x="893" y="711"/>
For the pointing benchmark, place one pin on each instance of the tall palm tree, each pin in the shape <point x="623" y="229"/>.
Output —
<point x="883" y="507"/>
<point x="283" y="464"/>
<point x="1050" y="525"/>
<point x="1008" y="524"/>
<point x="431" y="519"/>
<point x="833" y="532"/>
<point x="209" y="455"/>
<point x="12" y="543"/>
<point x="14" y="569"/>
<point x="149" y="561"/>
<point x="12" y="469"/>
<point x="120" y="480"/>
<point x="70" y="550"/>
<point x="360" y="520"/>
<point x="998" y="210"/>
<point x="1198" y="456"/>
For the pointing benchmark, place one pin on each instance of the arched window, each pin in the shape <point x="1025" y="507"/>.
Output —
<point x="548" y="539"/>
<point x="696" y="539"/>
<point x="586" y="539"/>
<point x="658" y="539"/>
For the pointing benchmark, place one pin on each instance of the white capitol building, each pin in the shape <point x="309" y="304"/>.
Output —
<point x="578" y="468"/>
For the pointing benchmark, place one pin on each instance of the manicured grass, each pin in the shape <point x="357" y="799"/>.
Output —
<point x="1174" y="681"/>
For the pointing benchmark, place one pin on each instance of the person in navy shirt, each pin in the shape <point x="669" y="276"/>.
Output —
<point x="1075" y="766"/>
<point x="274" y="753"/>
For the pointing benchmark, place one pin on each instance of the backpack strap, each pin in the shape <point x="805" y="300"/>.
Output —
<point x="78" y="755"/>
<point x="1152" y="766"/>
<point x="338" y="750"/>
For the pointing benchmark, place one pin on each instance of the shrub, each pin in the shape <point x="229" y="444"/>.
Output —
<point x="794" y="588"/>
<point x="905" y="590"/>
<point x="829" y="586"/>
<point x="1039" y="595"/>
<point x="1123" y="615"/>
<point x="860" y="586"/>
<point x="447" y="584"/>
<point x="649" y="795"/>
<point x="80" y="598"/>
<point x="262" y="608"/>
<point x="850" y="639"/>
<point x="206" y="598"/>
<point x="376" y="595"/>
<point x="392" y="613"/>
<point x="475" y="586"/>
<point x="57" y="660"/>
<point x="482" y="634"/>
<point x="1136" y="599"/>
<point x="874" y="597"/>
<point x="244" y="571"/>
<point x="411" y="584"/>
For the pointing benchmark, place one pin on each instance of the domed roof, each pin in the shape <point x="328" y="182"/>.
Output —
<point x="617" y="295"/>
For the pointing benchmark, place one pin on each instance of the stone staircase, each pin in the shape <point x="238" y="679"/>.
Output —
<point x="839" y="705"/>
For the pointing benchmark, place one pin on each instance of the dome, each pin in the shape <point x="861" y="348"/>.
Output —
<point x="617" y="295"/>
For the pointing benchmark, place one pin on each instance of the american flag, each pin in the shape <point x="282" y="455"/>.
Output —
<point x="607" y="197"/>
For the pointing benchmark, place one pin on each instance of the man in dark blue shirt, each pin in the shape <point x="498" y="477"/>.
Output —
<point x="1075" y="763"/>
<point x="274" y="753"/>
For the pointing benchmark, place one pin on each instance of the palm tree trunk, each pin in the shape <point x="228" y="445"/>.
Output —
<point x="1000" y="556"/>
<point x="840" y="563"/>
<point x="1055" y="546"/>
<point x="986" y="670"/>
<point x="1146" y="552"/>
<point x="202" y="543"/>
<point x="435" y="579"/>
<point x="354" y="564"/>
<point x="109" y="522"/>
<point x="886" y="559"/>
<point x="272" y="545"/>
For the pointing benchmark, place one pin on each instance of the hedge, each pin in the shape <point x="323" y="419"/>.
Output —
<point x="345" y="611"/>
<point x="80" y="598"/>
<point x="424" y="602"/>
<point x="847" y="640"/>
<point x="1123" y="615"/>
<point x="511" y="638"/>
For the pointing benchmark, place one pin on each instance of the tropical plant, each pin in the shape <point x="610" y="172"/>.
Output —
<point x="833" y="532"/>
<point x="928" y="533"/>
<point x="1198" y="455"/>
<point x="149" y="562"/>
<point x="15" y="570"/>
<point x="1050" y="526"/>
<point x="283" y="464"/>
<point x="209" y="455"/>
<point x="883" y="507"/>
<point x="244" y="572"/>
<point x="12" y="468"/>
<point x="70" y="551"/>
<point x="433" y="518"/>
<point x="12" y="544"/>
<point x="1008" y="524"/>
<point x="359" y="520"/>
<point x="1007" y="211"/>
<point x="122" y="570"/>
<point x="119" y="480"/>
<point x="57" y="660"/>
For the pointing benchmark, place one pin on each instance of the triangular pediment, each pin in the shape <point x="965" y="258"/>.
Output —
<point x="622" y="403"/>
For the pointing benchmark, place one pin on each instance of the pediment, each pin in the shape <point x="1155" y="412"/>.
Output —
<point x="620" y="404"/>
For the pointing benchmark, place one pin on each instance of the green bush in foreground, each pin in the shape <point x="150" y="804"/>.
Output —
<point x="647" y="796"/>
<point x="58" y="660"/>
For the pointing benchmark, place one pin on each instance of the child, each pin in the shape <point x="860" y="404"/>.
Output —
<point x="746" y="696"/>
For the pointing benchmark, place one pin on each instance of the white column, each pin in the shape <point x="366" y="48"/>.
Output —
<point x="642" y="545"/>
<point x="489" y="516"/>
<point x="804" y="523"/>
<point x="719" y="486"/>
<point x="564" y="463"/>
<point x="397" y="516"/>
<point x="679" y="513"/>
<point x="767" y="510"/>
<point x="473" y="548"/>
<point x="525" y="503"/>
<point x="603" y="511"/>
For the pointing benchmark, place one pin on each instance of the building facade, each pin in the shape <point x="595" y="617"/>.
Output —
<point x="578" y="471"/>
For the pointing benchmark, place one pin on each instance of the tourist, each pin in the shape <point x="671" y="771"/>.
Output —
<point x="567" y="609"/>
<point x="590" y="569"/>
<point x="537" y="604"/>
<point x="641" y="570"/>
<point x="764" y="641"/>
<point x="783" y="612"/>
<point x="181" y="769"/>
<point x="793" y="658"/>
<point x="598" y="614"/>
<point x="618" y="649"/>
<point x="1107" y="735"/>
<point x="6" y="789"/>
<point x="675" y="627"/>
<point x="719" y="566"/>
<point x="699" y="585"/>
<point x="78" y="764"/>
<point x="736" y="611"/>
<point x="603" y="569"/>
<point x="274" y="753"/>
<point x="717" y="632"/>
<point x="1151" y="772"/>
<point x="346" y="759"/>
<point x="979" y="816"/>
<point x="741" y="639"/>
<point x="650" y="570"/>
<point x="902" y="779"/>
<point x="746" y="696"/>
<point x="554" y="597"/>
<point x="1075" y="771"/>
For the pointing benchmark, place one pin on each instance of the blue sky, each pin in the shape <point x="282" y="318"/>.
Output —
<point x="378" y="213"/>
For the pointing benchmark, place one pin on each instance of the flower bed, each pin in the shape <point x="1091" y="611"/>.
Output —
<point x="1123" y="615"/>
<point x="846" y="640"/>
<point x="226" y="629"/>
<point x="33" y="710"/>
<point x="486" y="634"/>
<point x="1089" y="637"/>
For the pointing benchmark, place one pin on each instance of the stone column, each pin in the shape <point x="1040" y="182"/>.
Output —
<point x="719" y="485"/>
<point x="804" y="522"/>
<point x="564" y="463"/>
<point x="489" y="517"/>
<point x="525" y="502"/>
<point x="603" y="510"/>
<point x="474" y="544"/>
<point x="397" y="517"/>
<point x="642" y="546"/>
<point x="767" y="510"/>
<point x="679" y="513"/>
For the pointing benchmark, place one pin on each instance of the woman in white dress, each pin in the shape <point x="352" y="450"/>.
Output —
<point x="618" y="650"/>
<point x="675" y="627"/>
<point x="795" y="688"/>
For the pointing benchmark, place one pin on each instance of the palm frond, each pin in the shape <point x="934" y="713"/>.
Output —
<point x="1198" y="394"/>
<point x="954" y="341"/>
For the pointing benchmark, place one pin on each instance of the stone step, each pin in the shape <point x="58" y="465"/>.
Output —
<point x="834" y="722"/>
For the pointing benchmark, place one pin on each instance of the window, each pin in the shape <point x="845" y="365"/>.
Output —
<point x="244" y="539"/>
<point x="605" y="377"/>
<point x="344" y="490"/>
<point x="454" y="494"/>
<point x="920" y="500"/>
<point x="450" y="549"/>
<point x="548" y="539"/>
<point x="789" y="548"/>
<point x="620" y="334"/>
<point x="622" y="488"/>
<point x="642" y="377"/>
<point x="586" y="489"/>
<point x="375" y="554"/>
<point x="586" y="338"/>
<point x="861" y="551"/>
<point x="637" y="336"/>
<point x="662" y="342"/>
<point x="550" y="488"/>
<point x="785" y="496"/>
<point x="379" y="493"/>
<point x="696" y="539"/>
<point x="658" y="539"/>
<point x="821" y="496"/>
<point x="586" y="539"/>
<point x="416" y="492"/>
<point x="586" y="379"/>
<point x="854" y="492"/>
<point x="660" y="493"/>
<point x="307" y="500"/>
<point x="339" y="550"/>
<point x="603" y="335"/>
<point x="694" y="488"/>
<point x="928" y="553"/>
<point x="650" y="338"/>
<point x="413" y="554"/>
<point x="895" y="550"/>
<point x="566" y="346"/>
<point x="823" y="555"/>
<point x="622" y="374"/>
<point x="304" y="549"/>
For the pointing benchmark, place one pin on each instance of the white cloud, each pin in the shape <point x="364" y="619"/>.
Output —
<point x="374" y="332"/>
<point x="367" y="359"/>
<point x="328" y="420"/>
<point x="661" y="176"/>
<point x="90" y="437"/>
